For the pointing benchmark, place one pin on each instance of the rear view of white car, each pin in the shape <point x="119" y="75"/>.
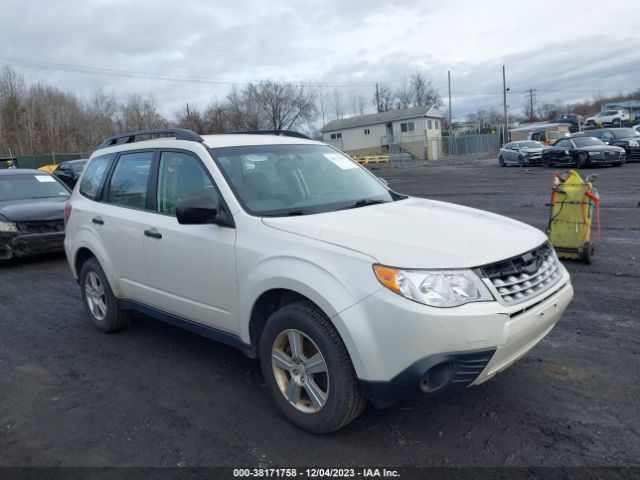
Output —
<point x="288" y="250"/>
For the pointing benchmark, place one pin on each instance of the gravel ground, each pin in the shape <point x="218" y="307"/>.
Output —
<point x="153" y="395"/>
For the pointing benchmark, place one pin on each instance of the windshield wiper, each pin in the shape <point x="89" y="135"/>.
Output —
<point x="363" y="203"/>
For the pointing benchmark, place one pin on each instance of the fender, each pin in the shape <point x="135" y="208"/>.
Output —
<point x="84" y="237"/>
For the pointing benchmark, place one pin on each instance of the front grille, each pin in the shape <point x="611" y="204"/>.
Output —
<point x="48" y="226"/>
<point x="521" y="278"/>
<point x="612" y="154"/>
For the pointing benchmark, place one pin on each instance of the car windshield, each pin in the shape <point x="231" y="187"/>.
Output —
<point x="280" y="180"/>
<point x="22" y="187"/>
<point x="554" y="135"/>
<point x="624" y="132"/>
<point x="587" y="141"/>
<point x="530" y="145"/>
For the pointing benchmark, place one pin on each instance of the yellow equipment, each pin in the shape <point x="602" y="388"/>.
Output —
<point x="48" y="168"/>
<point x="573" y="202"/>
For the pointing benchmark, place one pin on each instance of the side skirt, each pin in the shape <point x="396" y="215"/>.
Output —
<point x="185" y="324"/>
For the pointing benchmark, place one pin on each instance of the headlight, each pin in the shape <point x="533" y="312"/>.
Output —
<point x="437" y="288"/>
<point x="8" y="227"/>
<point x="633" y="143"/>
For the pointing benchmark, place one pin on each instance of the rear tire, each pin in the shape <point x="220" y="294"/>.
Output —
<point x="99" y="300"/>
<point x="319" y="401"/>
<point x="588" y="250"/>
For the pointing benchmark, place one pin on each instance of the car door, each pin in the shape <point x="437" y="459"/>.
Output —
<point x="563" y="150"/>
<point x="508" y="157"/>
<point x="121" y="217"/>
<point x="191" y="268"/>
<point x="65" y="174"/>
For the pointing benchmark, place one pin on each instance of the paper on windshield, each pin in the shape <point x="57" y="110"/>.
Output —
<point x="45" y="178"/>
<point x="340" y="160"/>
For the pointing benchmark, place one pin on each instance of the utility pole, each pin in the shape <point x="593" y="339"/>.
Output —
<point x="377" y="99"/>
<point x="450" y="122"/>
<point x="505" y="128"/>
<point x="531" y="96"/>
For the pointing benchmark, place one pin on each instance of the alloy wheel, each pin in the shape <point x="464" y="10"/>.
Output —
<point x="95" y="295"/>
<point x="300" y="371"/>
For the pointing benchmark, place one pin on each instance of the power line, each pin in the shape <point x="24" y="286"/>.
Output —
<point x="73" y="68"/>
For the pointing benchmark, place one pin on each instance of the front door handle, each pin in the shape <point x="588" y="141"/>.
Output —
<point x="153" y="233"/>
<point x="97" y="221"/>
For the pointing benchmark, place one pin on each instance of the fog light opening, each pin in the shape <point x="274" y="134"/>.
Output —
<point x="437" y="377"/>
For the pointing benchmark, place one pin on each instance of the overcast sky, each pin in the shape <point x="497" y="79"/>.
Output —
<point x="566" y="50"/>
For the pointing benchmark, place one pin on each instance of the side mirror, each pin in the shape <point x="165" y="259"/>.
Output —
<point x="197" y="211"/>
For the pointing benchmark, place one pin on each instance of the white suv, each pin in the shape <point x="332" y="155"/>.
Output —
<point x="614" y="117"/>
<point x="287" y="249"/>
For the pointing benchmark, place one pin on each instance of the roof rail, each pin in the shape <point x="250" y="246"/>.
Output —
<point x="179" y="133"/>
<point x="280" y="133"/>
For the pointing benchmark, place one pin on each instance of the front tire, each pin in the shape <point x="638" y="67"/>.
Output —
<point x="308" y="371"/>
<point x="582" y="160"/>
<point x="99" y="300"/>
<point x="501" y="161"/>
<point x="546" y="158"/>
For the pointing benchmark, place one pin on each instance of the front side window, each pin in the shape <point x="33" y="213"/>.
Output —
<point x="564" y="144"/>
<point x="130" y="179"/>
<point x="93" y="178"/>
<point x="181" y="176"/>
<point x="280" y="180"/>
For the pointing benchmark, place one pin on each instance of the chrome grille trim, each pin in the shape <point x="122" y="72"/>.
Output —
<point x="522" y="278"/>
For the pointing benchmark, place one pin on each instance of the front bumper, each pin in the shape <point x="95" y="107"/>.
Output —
<point x="400" y="347"/>
<point x="22" y="245"/>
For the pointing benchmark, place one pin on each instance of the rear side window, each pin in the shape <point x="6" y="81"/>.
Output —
<point x="93" y="179"/>
<point x="130" y="179"/>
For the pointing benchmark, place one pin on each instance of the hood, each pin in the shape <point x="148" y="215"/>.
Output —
<point x="532" y="149"/>
<point x="33" y="209"/>
<point x="418" y="233"/>
<point x="600" y="148"/>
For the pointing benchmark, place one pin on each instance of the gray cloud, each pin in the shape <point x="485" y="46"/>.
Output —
<point x="349" y="44"/>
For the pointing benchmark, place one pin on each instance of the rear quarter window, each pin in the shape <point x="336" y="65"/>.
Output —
<point x="93" y="178"/>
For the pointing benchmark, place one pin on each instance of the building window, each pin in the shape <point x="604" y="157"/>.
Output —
<point x="367" y="131"/>
<point x="437" y="124"/>
<point x="429" y="124"/>
<point x="336" y="136"/>
<point x="407" y="127"/>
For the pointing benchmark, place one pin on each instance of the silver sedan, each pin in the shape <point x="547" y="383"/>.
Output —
<point x="523" y="153"/>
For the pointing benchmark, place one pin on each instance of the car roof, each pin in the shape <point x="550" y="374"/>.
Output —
<point x="22" y="171"/>
<point x="241" y="140"/>
<point x="80" y="160"/>
<point x="210" y="141"/>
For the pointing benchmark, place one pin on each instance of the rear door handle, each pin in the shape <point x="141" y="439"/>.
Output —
<point x="153" y="233"/>
<point x="97" y="221"/>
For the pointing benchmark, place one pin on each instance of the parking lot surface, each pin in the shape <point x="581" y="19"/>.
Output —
<point x="153" y="395"/>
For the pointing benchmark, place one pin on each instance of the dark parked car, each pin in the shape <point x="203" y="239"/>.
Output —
<point x="524" y="153"/>
<point x="70" y="171"/>
<point x="582" y="152"/>
<point x="571" y="118"/>
<point x="32" y="205"/>
<point x="626" y="138"/>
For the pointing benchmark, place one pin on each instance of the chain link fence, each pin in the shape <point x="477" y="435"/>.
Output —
<point x="483" y="144"/>
<point x="37" y="161"/>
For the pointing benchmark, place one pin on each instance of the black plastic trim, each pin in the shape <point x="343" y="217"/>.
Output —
<point x="466" y="368"/>
<point x="180" y="322"/>
<point x="178" y="133"/>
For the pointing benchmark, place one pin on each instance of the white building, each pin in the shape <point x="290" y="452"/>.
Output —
<point x="416" y="130"/>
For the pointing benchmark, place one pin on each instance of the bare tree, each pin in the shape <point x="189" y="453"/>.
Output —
<point x="422" y="91"/>
<point x="283" y="105"/>
<point x="12" y="92"/>
<point x="216" y="118"/>
<point x="385" y="97"/>
<point x="337" y="104"/>
<point x="190" y="118"/>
